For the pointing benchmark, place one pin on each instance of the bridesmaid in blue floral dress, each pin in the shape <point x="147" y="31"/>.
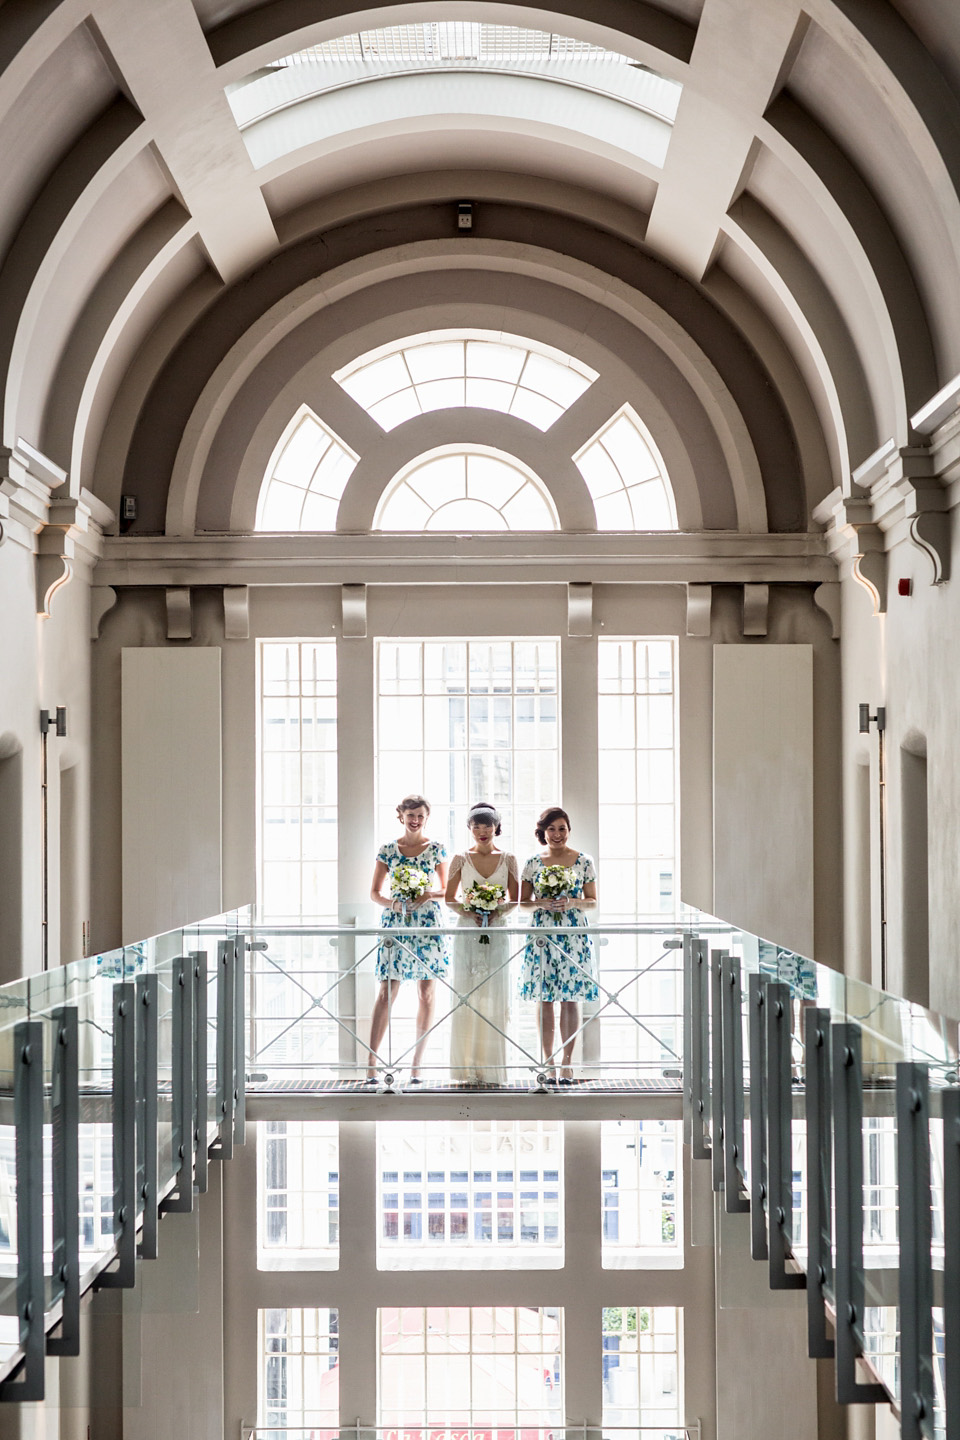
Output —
<point x="563" y="969"/>
<point x="413" y="957"/>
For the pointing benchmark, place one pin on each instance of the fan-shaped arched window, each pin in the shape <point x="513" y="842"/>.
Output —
<point x="626" y="477"/>
<point x="466" y="490"/>
<point x="305" y="478"/>
<point x="441" y="370"/>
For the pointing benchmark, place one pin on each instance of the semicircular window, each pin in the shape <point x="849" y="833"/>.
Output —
<point x="445" y="369"/>
<point x="626" y="477"/>
<point x="305" y="478"/>
<point x="466" y="490"/>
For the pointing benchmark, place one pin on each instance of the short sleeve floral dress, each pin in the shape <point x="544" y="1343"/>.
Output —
<point x="418" y="957"/>
<point x="562" y="969"/>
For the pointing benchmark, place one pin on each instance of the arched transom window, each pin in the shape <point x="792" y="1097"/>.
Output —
<point x="442" y="370"/>
<point x="626" y="478"/>
<point x="466" y="490"/>
<point x="305" y="478"/>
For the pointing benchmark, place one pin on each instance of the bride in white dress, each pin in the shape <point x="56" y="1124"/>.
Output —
<point x="481" y="955"/>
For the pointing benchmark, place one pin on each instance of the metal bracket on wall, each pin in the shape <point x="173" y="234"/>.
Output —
<point x="148" y="999"/>
<point x="819" y="1218"/>
<point x="847" y="1088"/>
<point x="950" y="1103"/>
<point x="28" y="1118"/>
<point x="183" y="1084"/>
<point x="201" y="1106"/>
<point x="717" y="1116"/>
<point x="222" y="1148"/>
<point x="700" y="1031"/>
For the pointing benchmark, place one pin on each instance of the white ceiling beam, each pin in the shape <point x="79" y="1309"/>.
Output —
<point x="162" y="60"/>
<point x="736" y="66"/>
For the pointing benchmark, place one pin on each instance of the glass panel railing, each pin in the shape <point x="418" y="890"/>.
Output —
<point x="818" y="1062"/>
<point x="610" y="1014"/>
<point x="85" y="1129"/>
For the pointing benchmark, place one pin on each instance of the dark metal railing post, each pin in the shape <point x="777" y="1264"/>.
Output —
<point x="847" y="1088"/>
<point x="716" y="1068"/>
<point x="819" y="1162"/>
<point x="916" y="1262"/>
<point x="689" y="954"/>
<point x="699" y="1063"/>
<point x="736" y="1200"/>
<point x="950" y="1106"/>
<point x="183" y="1098"/>
<point x="780" y="1139"/>
<point x="756" y="995"/>
<point x="199" y="959"/>
<point x="240" y="1042"/>
<point x="66" y="1179"/>
<point x="222" y="1149"/>
<point x="148" y="1081"/>
<point x="124" y="1137"/>
<point x="28" y="1118"/>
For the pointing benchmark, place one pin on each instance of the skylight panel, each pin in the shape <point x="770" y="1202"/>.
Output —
<point x="447" y="370"/>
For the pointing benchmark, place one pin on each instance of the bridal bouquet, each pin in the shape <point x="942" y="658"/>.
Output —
<point x="485" y="899"/>
<point x="554" y="881"/>
<point x="408" y="882"/>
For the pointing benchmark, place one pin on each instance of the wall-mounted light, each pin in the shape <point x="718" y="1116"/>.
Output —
<point x="866" y="719"/>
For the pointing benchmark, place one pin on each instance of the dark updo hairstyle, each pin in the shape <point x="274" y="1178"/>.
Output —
<point x="553" y="812"/>
<point x="482" y="814"/>
<point x="412" y="802"/>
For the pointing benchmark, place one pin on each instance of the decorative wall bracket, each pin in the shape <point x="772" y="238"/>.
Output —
<point x="236" y="612"/>
<point x="353" y="600"/>
<point x="580" y="609"/>
<point x="699" y="607"/>
<point x="756" y="603"/>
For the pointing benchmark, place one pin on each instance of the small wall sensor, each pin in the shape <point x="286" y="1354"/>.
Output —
<point x="465" y="215"/>
<point x="128" y="507"/>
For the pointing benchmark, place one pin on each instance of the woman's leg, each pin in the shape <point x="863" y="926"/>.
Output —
<point x="425" y="990"/>
<point x="380" y="1019"/>
<point x="547" y="1023"/>
<point x="569" y="1025"/>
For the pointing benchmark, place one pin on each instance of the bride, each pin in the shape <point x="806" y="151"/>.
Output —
<point x="481" y="956"/>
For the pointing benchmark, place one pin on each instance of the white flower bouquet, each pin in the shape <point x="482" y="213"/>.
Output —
<point x="554" y="881"/>
<point x="485" y="899"/>
<point x="407" y="883"/>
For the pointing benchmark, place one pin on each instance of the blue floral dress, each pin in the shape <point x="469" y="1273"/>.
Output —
<point x="420" y="957"/>
<point x="564" y="968"/>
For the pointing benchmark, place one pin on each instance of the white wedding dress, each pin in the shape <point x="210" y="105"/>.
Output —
<point x="482" y="974"/>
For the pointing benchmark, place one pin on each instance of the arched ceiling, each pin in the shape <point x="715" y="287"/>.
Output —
<point x="778" y="267"/>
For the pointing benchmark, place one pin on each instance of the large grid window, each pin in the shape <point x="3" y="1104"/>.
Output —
<point x="298" y="780"/>
<point x="488" y="1365"/>
<point x="441" y="370"/>
<point x="637" y="772"/>
<point x="466" y="721"/>
<point x="642" y="1207"/>
<point x="299" y="1375"/>
<point x="470" y="1194"/>
<point x="641" y="1369"/>
<point x="298" y="1194"/>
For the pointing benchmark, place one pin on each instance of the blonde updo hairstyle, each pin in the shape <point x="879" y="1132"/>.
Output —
<point x="412" y="802"/>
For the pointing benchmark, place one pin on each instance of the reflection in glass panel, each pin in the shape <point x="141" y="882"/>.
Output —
<point x="626" y="477"/>
<point x="641" y="1369"/>
<point x="426" y="372"/>
<point x="299" y="1371"/>
<point x="481" y="1366"/>
<point x="306" y="477"/>
<point x="642" y="1203"/>
<point x="470" y="1195"/>
<point x="466" y="490"/>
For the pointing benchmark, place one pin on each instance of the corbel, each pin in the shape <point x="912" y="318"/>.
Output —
<point x="353" y="602"/>
<point x="756" y="603"/>
<point x="925" y="508"/>
<point x="236" y="612"/>
<point x="579" y="609"/>
<point x="69" y="543"/>
<point x="826" y="597"/>
<point x="699" y="606"/>
<point x="102" y="600"/>
<point x="179" y="613"/>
